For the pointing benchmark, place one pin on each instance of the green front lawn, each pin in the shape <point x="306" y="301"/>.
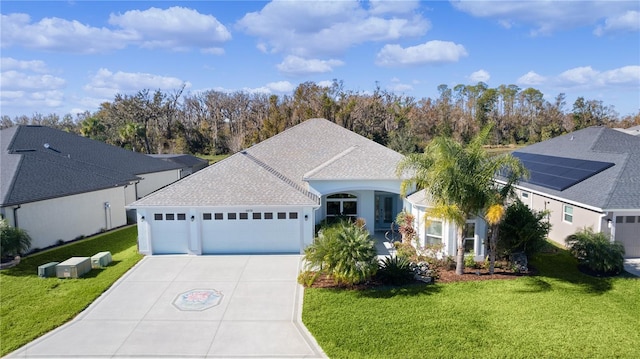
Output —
<point x="560" y="313"/>
<point x="30" y="306"/>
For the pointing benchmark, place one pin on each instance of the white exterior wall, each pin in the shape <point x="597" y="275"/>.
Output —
<point x="193" y="233"/>
<point x="364" y="190"/>
<point x="153" y="181"/>
<point x="69" y="217"/>
<point x="450" y="233"/>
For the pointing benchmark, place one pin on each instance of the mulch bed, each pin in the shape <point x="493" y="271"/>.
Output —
<point x="446" y="276"/>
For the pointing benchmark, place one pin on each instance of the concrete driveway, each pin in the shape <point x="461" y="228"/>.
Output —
<point x="190" y="307"/>
<point x="632" y="265"/>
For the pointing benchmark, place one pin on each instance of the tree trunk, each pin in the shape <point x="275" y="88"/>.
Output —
<point x="493" y="241"/>
<point x="460" y="254"/>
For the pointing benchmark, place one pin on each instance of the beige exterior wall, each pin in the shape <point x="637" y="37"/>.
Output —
<point x="153" y="181"/>
<point x="67" y="218"/>
<point x="560" y="228"/>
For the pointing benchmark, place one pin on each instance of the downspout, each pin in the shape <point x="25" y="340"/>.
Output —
<point x="15" y="216"/>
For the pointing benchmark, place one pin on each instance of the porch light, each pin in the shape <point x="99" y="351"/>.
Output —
<point x="193" y="218"/>
<point x="306" y="217"/>
<point x="609" y="223"/>
<point x="142" y="219"/>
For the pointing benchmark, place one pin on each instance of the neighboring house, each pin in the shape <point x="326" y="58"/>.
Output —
<point x="635" y="130"/>
<point x="269" y="197"/>
<point x="189" y="163"/>
<point x="438" y="232"/>
<point x="59" y="186"/>
<point x="588" y="178"/>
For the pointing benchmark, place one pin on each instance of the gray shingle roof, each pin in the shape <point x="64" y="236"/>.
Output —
<point x="618" y="187"/>
<point x="275" y="171"/>
<point x="40" y="163"/>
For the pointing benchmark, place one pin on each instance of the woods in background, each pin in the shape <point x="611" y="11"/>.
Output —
<point x="215" y="122"/>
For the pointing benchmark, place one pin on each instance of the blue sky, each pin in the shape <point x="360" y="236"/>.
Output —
<point x="70" y="56"/>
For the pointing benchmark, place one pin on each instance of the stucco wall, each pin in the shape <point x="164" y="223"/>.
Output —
<point x="560" y="229"/>
<point x="66" y="218"/>
<point x="153" y="181"/>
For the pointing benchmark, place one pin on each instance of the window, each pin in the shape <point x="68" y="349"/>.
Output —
<point x="293" y="215"/>
<point x="524" y="195"/>
<point x="630" y="219"/>
<point x="282" y="215"/>
<point x="244" y="215"/>
<point x="231" y="216"/>
<point x="619" y="219"/>
<point x="206" y="216"/>
<point x="257" y="215"/>
<point x="181" y="217"/>
<point x="434" y="233"/>
<point x="169" y="216"/>
<point x="469" y="237"/>
<point x="342" y="204"/>
<point x="157" y="216"/>
<point x="567" y="213"/>
<point x="268" y="215"/>
<point x="218" y="216"/>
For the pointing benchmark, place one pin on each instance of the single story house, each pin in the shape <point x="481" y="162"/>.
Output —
<point x="587" y="178"/>
<point x="59" y="186"/>
<point x="269" y="197"/>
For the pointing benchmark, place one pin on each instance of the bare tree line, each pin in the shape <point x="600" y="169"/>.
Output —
<point x="215" y="122"/>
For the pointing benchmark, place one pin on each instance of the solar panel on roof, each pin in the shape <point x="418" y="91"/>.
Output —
<point x="559" y="173"/>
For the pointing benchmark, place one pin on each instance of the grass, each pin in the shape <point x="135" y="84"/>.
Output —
<point x="213" y="158"/>
<point x="561" y="313"/>
<point x="31" y="306"/>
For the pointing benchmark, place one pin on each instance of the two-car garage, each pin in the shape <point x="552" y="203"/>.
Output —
<point x="224" y="231"/>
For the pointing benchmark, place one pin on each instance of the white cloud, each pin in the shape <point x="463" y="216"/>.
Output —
<point x="325" y="83"/>
<point x="325" y="28"/>
<point x="106" y="83"/>
<point x="294" y="65"/>
<point x="546" y="17"/>
<point x="281" y="86"/>
<point x="586" y="78"/>
<point x="213" y="51"/>
<point x="480" y="76"/>
<point x="14" y="80"/>
<point x="8" y="63"/>
<point x="176" y="28"/>
<point x="629" y="21"/>
<point x="29" y="100"/>
<point x="432" y="52"/>
<point x="377" y="7"/>
<point x="531" y="79"/>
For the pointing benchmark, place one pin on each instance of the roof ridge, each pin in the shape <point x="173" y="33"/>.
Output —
<point x="329" y="161"/>
<point x="280" y="176"/>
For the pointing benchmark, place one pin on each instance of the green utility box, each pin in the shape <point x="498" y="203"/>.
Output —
<point x="101" y="260"/>
<point x="47" y="270"/>
<point x="74" y="267"/>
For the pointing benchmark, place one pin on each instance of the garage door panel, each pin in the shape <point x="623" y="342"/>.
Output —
<point x="251" y="236"/>
<point x="629" y="235"/>
<point x="170" y="237"/>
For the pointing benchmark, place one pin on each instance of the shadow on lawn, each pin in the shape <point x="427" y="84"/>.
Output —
<point x="562" y="266"/>
<point x="410" y="290"/>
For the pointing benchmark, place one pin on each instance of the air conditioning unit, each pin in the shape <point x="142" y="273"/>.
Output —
<point x="74" y="267"/>
<point x="47" y="270"/>
<point x="100" y="260"/>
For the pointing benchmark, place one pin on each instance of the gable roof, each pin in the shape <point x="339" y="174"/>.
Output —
<point x="276" y="171"/>
<point x="616" y="187"/>
<point x="184" y="160"/>
<point x="40" y="163"/>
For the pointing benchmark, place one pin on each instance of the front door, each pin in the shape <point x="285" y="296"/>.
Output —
<point x="385" y="210"/>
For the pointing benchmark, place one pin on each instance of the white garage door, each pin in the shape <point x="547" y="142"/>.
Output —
<point x="251" y="232"/>
<point x="628" y="233"/>
<point x="170" y="233"/>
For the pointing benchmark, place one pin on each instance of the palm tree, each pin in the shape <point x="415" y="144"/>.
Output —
<point x="458" y="179"/>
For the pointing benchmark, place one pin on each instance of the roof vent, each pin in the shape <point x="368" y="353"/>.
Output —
<point x="46" y="145"/>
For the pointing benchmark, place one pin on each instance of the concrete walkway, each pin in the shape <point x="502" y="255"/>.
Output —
<point x="632" y="265"/>
<point x="244" y="306"/>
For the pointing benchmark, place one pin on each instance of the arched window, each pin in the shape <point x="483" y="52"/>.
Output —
<point x="342" y="204"/>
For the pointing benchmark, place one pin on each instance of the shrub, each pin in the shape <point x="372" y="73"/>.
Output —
<point x="522" y="230"/>
<point x="596" y="252"/>
<point x="395" y="270"/>
<point x="13" y="241"/>
<point x="405" y="250"/>
<point x="405" y="220"/>
<point x="307" y="278"/>
<point x="470" y="260"/>
<point x="345" y="252"/>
